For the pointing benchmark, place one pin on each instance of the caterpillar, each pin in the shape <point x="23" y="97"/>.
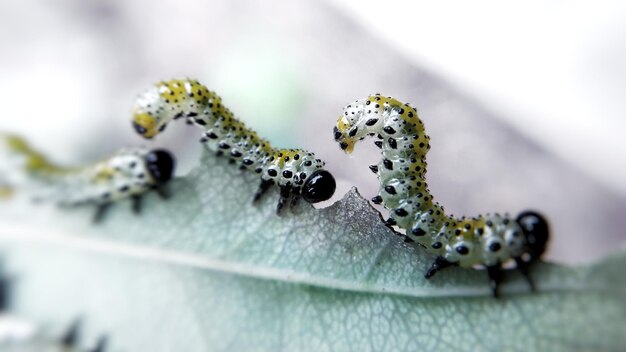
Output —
<point x="128" y="173"/>
<point x="298" y="173"/>
<point x="485" y="240"/>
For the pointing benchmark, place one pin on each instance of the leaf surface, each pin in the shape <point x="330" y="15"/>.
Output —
<point x="206" y="270"/>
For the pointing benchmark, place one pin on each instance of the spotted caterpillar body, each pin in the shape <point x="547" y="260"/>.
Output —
<point x="297" y="172"/>
<point x="487" y="240"/>
<point x="128" y="173"/>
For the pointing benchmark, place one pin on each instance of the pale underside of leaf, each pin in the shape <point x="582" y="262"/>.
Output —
<point x="207" y="270"/>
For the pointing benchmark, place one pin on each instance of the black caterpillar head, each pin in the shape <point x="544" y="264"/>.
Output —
<point x="161" y="164"/>
<point x="320" y="186"/>
<point x="535" y="228"/>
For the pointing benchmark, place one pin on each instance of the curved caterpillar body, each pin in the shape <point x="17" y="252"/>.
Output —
<point x="297" y="172"/>
<point x="487" y="240"/>
<point x="128" y="173"/>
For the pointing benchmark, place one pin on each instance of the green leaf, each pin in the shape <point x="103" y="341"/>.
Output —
<point x="206" y="270"/>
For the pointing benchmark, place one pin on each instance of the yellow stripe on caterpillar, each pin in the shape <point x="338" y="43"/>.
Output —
<point x="297" y="172"/>
<point x="487" y="240"/>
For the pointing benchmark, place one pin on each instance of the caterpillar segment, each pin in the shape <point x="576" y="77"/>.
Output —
<point x="129" y="173"/>
<point x="298" y="173"/>
<point x="485" y="240"/>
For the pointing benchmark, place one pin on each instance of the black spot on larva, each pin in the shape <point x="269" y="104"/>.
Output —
<point x="132" y="165"/>
<point x="437" y="245"/>
<point x="287" y="174"/>
<point x="193" y="114"/>
<point x="371" y="122"/>
<point x="388" y="164"/>
<point x="505" y="221"/>
<point x="457" y="232"/>
<point x="258" y="170"/>
<point x="308" y="163"/>
<point x="389" y="130"/>
<point x="162" y="128"/>
<point x="401" y="212"/>
<point x="247" y="162"/>
<point x="296" y="157"/>
<point x="390" y="189"/>
<point x="343" y="145"/>
<point x="337" y="133"/>
<point x="410" y="114"/>
<point x="468" y="226"/>
<point x="124" y="188"/>
<point x="200" y="122"/>
<point x="392" y="143"/>
<point x="418" y="232"/>
<point x="480" y="231"/>
<point x="494" y="246"/>
<point x="272" y="172"/>
<point x="353" y="132"/>
<point x="235" y="153"/>
<point x="223" y="145"/>
<point x="422" y="145"/>
<point x="489" y="223"/>
<point x="379" y="144"/>
<point x="462" y="250"/>
<point x="368" y="102"/>
<point x="377" y="200"/>
<point x="106" y="195"/>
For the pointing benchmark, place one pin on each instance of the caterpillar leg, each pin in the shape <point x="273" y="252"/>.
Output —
<point x="295" y="198"/>
<point x="162" y="191"/>
<point x="70" y="339"/>
<point x="440" y="263"/>
<point x="390" y="223"/>
<point x="101" y="345"/>
<point x="523" y="267"/>
<point x="5" y="288"/>
<point x="405" y="238"/>
<point x="263" y="188"/>
<point x="285" y="192"/>
<point x="136" y="199"/>
<point x="101" y="211"/>
<point x="495" y="278"/>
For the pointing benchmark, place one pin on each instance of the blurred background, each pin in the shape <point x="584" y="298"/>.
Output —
<point x="524" y="103"/>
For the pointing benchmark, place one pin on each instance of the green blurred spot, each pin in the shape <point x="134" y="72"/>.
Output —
<point x="261" y="83"/>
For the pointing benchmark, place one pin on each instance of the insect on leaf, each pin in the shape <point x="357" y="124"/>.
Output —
<point x="206" y="270"/>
